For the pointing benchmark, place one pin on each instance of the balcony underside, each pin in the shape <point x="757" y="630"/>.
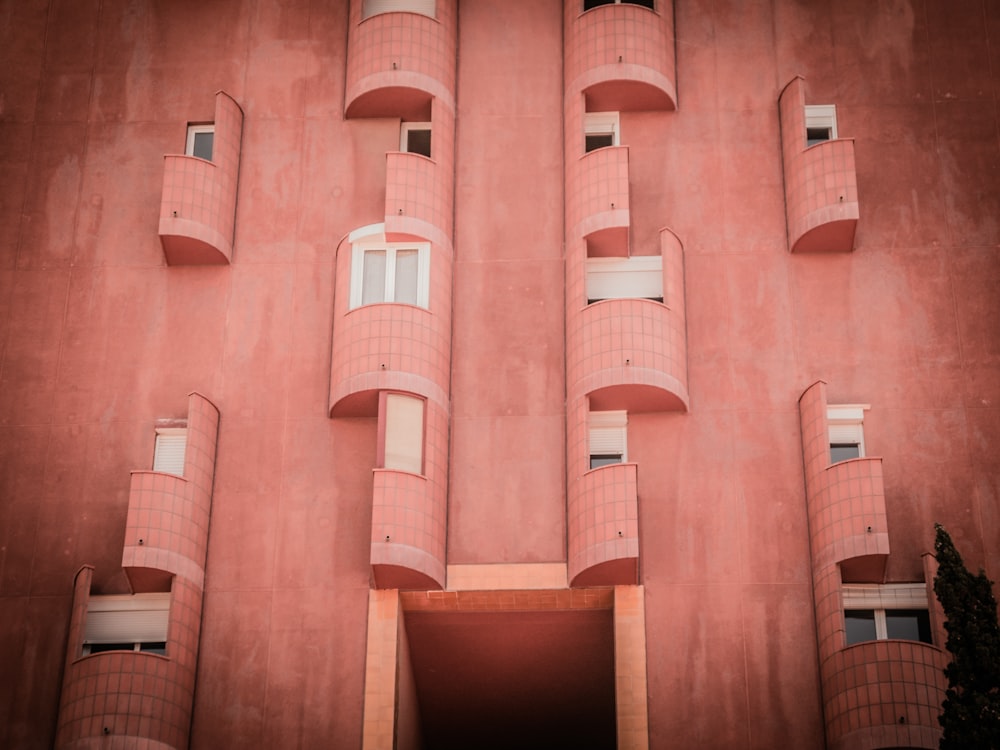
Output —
<point x="385" y="97"/>
<point x="620" y="572"/>
<point x="621" y="94"/>
<point x="636" y="398"/>
<point x="190" y="243"/>
<point x="833" y="235"/>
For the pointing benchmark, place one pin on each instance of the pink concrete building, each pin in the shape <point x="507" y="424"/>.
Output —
<point x="436" y="374"/>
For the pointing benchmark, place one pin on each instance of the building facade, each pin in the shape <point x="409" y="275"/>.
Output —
<point x="463" y="373"/>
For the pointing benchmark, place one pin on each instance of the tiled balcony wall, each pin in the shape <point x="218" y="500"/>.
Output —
<point x="131" y="699"/>
<point x="821" y="184"/>
<point x="878" y="694"/>
<point x="629" y="353"/>
<point x="398" y="61"/>
<point x="597" y="198"/>
<point x="409" y="515"/>
<point x="144" y="699"/>
<point x="198" y="204"/>
<point x="621" y="55"/>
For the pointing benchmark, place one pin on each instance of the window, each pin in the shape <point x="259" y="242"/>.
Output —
<point x="127" y="623"/>
<point x="404" y="433"/>
<point x="600" y="129"/>
<point x="635" y="277"/>
<point x="170" y="449"/>
<point x="847" y="439"/>
<point x="821" y="123"/>
<point x="608" y="432"/>
<point x="200" y="139"/>
<point x="415" y="138"/>
<point x="371" y="8"/>
<point x="877" y="612"/>
<point x="390" y="273"/>
<point x="588" y="4"/>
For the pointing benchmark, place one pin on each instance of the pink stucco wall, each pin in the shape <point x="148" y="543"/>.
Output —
<point x="100" y="337"/>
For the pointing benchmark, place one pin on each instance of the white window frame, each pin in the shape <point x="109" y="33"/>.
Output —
<point x="845" y="424"/>
<point x="634" y="277"/>
<point x="607" y="435"/>
<point x="405" y="128"/>
<point x="877" y="598"/>
<point x="371" y="8"/>
<point x="602" y="123"/>
<point x="821" y="117"/>
<point x="165" y="450"/>
<point x="192" y="133"/>
<point x="357" y="270"/>
<point x="133" y="619"/>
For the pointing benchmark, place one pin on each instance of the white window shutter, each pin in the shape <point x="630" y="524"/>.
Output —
<point x="608" y="431"/>
<point x="141" y="618"/>
<point x="406" y="282"/>
<point x="371" y="8"/>
<point x="168" y="455"/>
<point x="639" y="276"/>
<point x="404" y="432"/>
<point x="373" y="283"/>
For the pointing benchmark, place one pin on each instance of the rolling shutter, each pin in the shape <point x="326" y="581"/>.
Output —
<point x="168" y="455"/>
<point x="141" y="618"/>
<point x="621" y="278"/>
<point x="371" y="8"/>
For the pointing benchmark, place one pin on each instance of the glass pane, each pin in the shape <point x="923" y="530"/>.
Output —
<point x="644" y="3"/>
<point x="158" y="647"/>
<point x="817" y="135"/>
<point x="419" y="142"/>
<point x="605" y="460"/>
<point x="203" y="143"/>
<point x="844" y="451"/>
<point x="406" y="276"/>
<point x="588" y="4"/>
<point x="97" y="648"/>
<point x="860" y="625"/>
<point x="373" y="283"/>
<point x="908" y="624"/>
<point x="598" y="140"/>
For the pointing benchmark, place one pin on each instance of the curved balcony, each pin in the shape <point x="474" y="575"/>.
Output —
<point x="847" y="516"/>
<point x="621" y="56"/>
<point x="387" y="347"/>
<point x="198" y="203"/>
<point x="598" y="200"/>
<point x="408" y="531"/>
<point x="398" y="61"/>
<point x="821" y="183"/>
<point x="604" y="527"/>
<point x="884" y="694"/>
<point x="134" y="698"/>
<point x="418" y="203"/>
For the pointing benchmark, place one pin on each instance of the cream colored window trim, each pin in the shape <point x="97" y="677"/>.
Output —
<point x="635" y="277"/>
<point x="393" y="257"/>
<point x="608" y="434"/>
<point x="170" y="449"/>
<point x="821" y="117"/>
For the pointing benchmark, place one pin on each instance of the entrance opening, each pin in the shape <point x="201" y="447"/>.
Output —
<point x="501" y="679"/>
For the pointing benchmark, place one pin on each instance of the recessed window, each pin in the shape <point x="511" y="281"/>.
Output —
<point x="600" y="130"/>
<point x="127" y="623"/>
<point x="635" y="277"/>
<point x="821" y="123"/>
<point x="608" y="435"/>
<point x="588" y="4"/>
<point x="847" y="438"/>
<point x="170" y="449"/>
<point x="889" y="611"/>
<point x="200" y="141"/>
<point x="371" y="8"/>
<point x="390" y="273"/>
<point x="415" y="138"/>
<point x="404" y="433"/>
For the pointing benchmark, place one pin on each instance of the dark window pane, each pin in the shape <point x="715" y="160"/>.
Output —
<point x="605" y="460"/>
<point x="419" y="142"/>
<point x="203" y="145"/>
<point x="644" y="3"/>
<point x="158" y="647"/>
<point x="97" y="648"/>
<point x="598" y="140"/>
<point x="909" y="624"/>
<point x="844" y="451"/>
<point x="588" y="4"/>
<point x="860" y="625"/>
<point x="817" y="135"/>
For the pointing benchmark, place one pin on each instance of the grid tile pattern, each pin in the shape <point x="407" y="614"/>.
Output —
<point x="630" y="668"/>
<point x="507" y="601"/>
<point x="597" y="196"/>
<point x="603" y="519"/>
<point x="623" y="42"/>
<point x="821" y="184"/>
<point x="198" y="204"/>
<point x="409" y="514"/>
<point x="140" y="699"/>
<point x="867" y="687"/>
<point x="401" y="50"/>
